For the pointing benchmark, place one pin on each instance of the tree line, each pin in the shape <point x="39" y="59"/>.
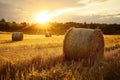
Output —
<point x="56" y="28"/>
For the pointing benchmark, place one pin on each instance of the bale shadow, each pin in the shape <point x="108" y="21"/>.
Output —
<point x="10" y="41"/>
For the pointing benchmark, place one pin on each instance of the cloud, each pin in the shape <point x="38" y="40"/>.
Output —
<point x="98" y="0"/>
<point x="5" y="9"/>
<point x="90" y="1"/>
<point x="65" y="10"/>
<point x="15" y="8"/>
<point x="10" y="12"/>
<point x="42" y="4"/>
<point x="4" y="6"/>
<point x="88" y="19"/>
<point x="113" y="15"/>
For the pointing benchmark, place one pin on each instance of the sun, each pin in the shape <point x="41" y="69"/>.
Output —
<point x="43" y="17"/>
<point x="46" y="16"/>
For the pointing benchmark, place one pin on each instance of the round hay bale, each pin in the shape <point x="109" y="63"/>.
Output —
<point x="85" y="45"/>
<point x="17" y="36"/>
<point x="47" y="34"/>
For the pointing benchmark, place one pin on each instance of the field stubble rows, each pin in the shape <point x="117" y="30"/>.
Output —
<point x="34" y="45"/>
<point x="40" y="58"/>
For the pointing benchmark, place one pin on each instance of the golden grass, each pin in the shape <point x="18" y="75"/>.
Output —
<point x="40" y="58"/>
<point x="111" y="40"/>
<point x="5" y="39"/>
<point x="33" y="45"/>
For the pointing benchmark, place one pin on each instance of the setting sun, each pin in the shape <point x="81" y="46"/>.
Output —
<point x="46" y="16"/>
<point x="43" y="17"/>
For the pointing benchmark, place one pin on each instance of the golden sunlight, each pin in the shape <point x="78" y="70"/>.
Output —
<point x="46" y="16"/>
<point x="43" y="17"/>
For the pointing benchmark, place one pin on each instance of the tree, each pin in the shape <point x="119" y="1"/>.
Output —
<point x="2" y="20"/>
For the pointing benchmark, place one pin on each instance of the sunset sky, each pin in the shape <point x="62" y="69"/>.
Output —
<point x="100" y="11"/>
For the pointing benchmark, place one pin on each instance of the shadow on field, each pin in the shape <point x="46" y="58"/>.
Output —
<point x="10" y="41"/>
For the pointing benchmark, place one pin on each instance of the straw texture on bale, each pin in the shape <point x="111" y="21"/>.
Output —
<point x="85" y="45"/>
<point x="17" y="36"/>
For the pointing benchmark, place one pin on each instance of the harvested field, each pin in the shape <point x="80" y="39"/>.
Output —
<point x="38" y="57"/>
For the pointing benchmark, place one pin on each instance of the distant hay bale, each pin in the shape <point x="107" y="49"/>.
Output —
<point x="48" y="34"/>
<point x="17" y="36"/>
<point x="85" y="45"/>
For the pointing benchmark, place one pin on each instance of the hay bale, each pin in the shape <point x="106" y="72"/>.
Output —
<point x="48" y="34"/>
<point x="85" y="45"/>
<point x="17" y="36"/>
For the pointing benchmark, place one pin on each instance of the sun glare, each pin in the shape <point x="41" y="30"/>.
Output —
<point x="46" y="16"/>
<point x="43" y="17"/>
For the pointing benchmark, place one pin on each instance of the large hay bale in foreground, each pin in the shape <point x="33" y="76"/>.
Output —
<point x="83" y="44"/>
<point x="17" y="36"/>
